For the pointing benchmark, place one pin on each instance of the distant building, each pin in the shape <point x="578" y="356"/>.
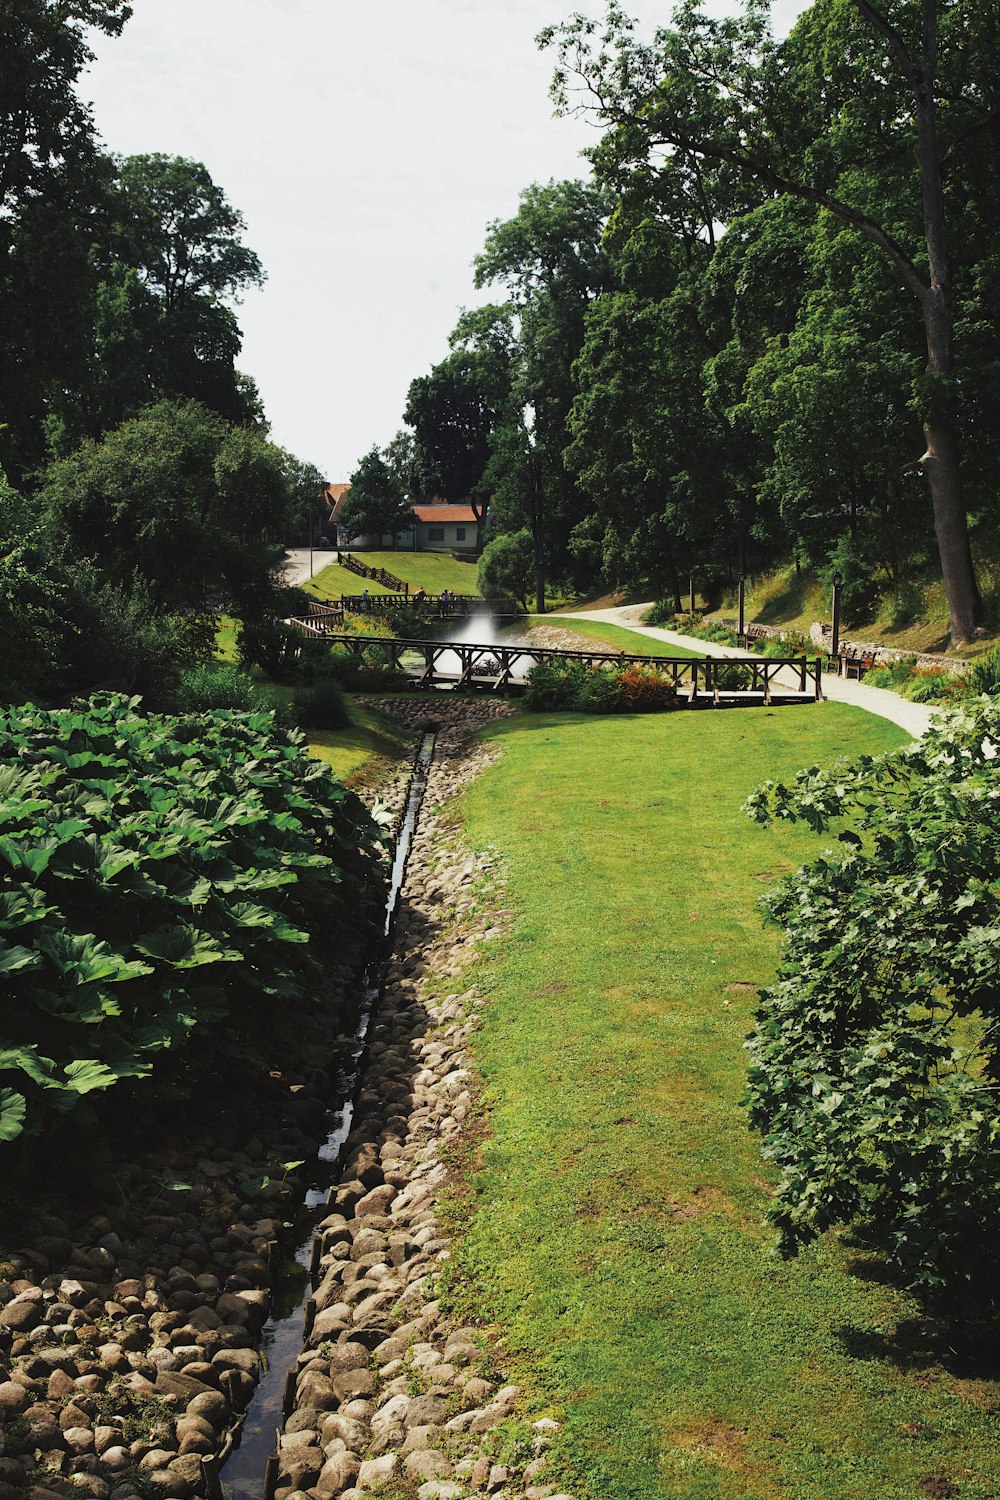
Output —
<point x="439" y="527"/>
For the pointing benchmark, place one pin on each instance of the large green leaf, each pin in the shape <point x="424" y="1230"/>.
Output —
<point x="81" y="959"/>
<point x="12" y="1111"/>
<point x="184" y="947"/>
<point x="14" y="958"/>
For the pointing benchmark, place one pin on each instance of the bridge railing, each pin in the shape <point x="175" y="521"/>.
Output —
<point x="500" y="667"/>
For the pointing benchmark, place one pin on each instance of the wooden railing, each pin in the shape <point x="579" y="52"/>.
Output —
<point x="433" y="606"/>
<point x="698" y="679"/>
<point x="319" y="620"/>
<point x="380" y="575"/>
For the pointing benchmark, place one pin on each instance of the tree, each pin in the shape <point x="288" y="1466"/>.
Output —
<point x="376" y="503"/>
<point x="43" y="50"/>
<point x="177" y="499"/>
<point x="875" y="1061"/>
<point x="30" y="599"/>
<point x="550" y="258"/>
<point x="506" y="568"/>
<point x="722" y="93"/>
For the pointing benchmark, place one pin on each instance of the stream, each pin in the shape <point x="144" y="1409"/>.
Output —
<point x="243" y="1470"/>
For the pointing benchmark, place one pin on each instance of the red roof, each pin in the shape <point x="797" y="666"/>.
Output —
<point x="435" y="513"/>
<point x="336" y="494"/>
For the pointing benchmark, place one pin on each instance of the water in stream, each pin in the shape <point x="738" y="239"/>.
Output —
<point x="283" y="1335"/>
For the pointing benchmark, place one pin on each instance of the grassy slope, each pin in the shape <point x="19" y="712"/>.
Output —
<point x="794" y="601"/>
<point x="618" y="636"/>
<point x="431" y="570"/>
<point x="371" y="741"/>
<point x="619" y="1232"/>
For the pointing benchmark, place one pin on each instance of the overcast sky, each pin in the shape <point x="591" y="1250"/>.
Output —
<point x="368" y="143"/>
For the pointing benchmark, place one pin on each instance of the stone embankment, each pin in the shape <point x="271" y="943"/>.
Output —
<point x="130" y="1326"/>
<point x="389" y="1391"/>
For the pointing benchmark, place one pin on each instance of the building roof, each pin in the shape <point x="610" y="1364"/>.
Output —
<point x="336" y="494"/>
<point x="435" y="513"/>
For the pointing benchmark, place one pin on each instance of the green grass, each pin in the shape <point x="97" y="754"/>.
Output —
<point x="334" y="581"/>
<point x="368" y="745"/>
<point x="618" y="636"/>
<point x="432" y="571"/>
<point x="615" y="1226"/>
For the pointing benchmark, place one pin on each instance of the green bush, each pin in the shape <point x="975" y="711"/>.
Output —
<point x="600" y="692"/>
<point x="983" y="676"/>
<point x="732" y="678"/>
<point x="321" y="704"/>
<point x="876" y="1054"/>
<point x="638" y="688"/>
<point x="202" y="689"/>
<point x="554" y="685"/>
<point x="162" y="877"/>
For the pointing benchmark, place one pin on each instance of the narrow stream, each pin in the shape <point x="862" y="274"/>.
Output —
<point x="243" y="1470"/>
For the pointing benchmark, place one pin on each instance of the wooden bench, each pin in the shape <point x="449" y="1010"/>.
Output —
<point x="854" y="664"/>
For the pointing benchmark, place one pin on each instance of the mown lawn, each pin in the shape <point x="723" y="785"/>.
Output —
<point x="618" y="636"/>
<point x="334" y="581"/>
<point x="368" y="744"/>
<point x="432" y="571"/>
<point x="615" y="1227"/>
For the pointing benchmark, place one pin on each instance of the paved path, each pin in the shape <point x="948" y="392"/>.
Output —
<point x="296" y="567"/>
<point x="915" y="718"/>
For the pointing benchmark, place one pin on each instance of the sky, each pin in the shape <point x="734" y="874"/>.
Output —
<point x="368" y="144"/>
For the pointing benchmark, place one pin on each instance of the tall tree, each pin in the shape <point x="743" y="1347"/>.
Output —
<point x="177" y="499"/>
<point x="376" y="504"/>
<point x="860" y="90"/>
<point x="550" y="258"/>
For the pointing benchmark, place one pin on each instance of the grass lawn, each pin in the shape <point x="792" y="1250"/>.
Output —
<point x="615" y="1221"/>
<point x="618" y="636"/>
<point x="432" y="571"/>
<point x="367" y="745"/>
<point x="334" y="581"/>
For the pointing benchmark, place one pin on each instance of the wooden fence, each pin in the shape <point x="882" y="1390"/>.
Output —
<point x="380" y="575"/>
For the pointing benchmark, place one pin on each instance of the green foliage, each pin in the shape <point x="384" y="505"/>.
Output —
<point x="321" y="704"/>
<point x="638" y="688"/>
<point x="876" y="1055"/>
<point x="377" y="504"/>
<point x="507" y="567"/>
<point x="983" y="675"/>
<point x="922" y="684"/>
<point x="204" y="688"/>
<point x="30" y="599"/>
<point x="161" y="877"/>
<point x="177" y="499"/>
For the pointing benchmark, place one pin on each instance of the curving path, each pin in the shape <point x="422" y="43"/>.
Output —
<point x="915" y="718"/>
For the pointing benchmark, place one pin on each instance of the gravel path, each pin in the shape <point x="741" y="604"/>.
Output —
<point x="915" y="718"/>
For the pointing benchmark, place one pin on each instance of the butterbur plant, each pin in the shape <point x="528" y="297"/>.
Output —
<point x="875" y="1059"/>
<point x="161" y="877"/>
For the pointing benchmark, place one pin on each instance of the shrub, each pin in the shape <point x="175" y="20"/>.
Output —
<point x="983" y="676"/>
<point x="645" y="689"/>
<point x="600" y="692"/>
<point x="554" y="685"/>
<point x="201" y="689"/>
<point x="874" y="1061"/>
<point x="321" y="704"/>
<point x="732" y="678"/>
<point x="507" y="567"/>
<point x="161" y="878"/>
<point x="270" y="646"/>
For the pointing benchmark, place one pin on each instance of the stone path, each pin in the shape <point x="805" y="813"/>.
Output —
<point x="915" y="718"/>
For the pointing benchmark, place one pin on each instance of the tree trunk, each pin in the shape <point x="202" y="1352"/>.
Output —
<point x="539" y="584"/>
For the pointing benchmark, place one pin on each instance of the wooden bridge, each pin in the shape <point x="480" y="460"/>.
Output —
<point x="502" y="669"/>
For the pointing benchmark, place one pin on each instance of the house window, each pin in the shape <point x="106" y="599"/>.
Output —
<point x="460" y="533"/>
<point x="435" y="533"/>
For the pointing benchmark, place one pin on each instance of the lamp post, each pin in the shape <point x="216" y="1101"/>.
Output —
<point x="742" y="598"/>
<point x="838" y="579"/>
<point x="691" y="591"/>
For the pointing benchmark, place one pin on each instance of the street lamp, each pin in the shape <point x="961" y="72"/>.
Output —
<point x="742" y="599"/>
<point x="838" y="579"/>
